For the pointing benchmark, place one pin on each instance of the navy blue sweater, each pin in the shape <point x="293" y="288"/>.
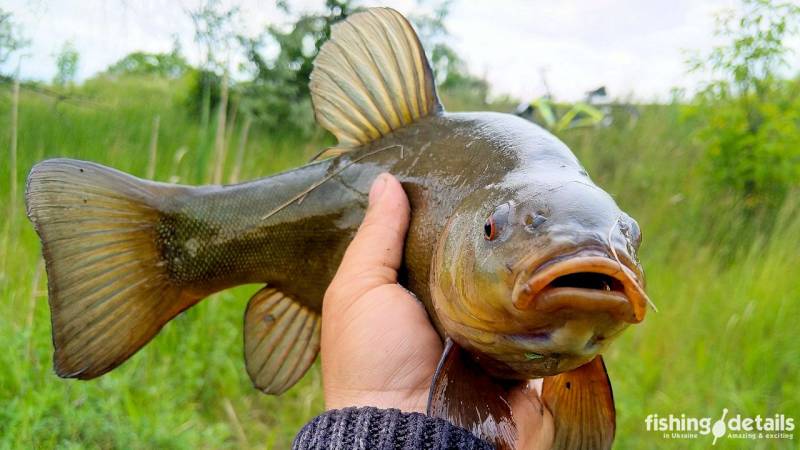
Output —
<point x="383" y="429"/>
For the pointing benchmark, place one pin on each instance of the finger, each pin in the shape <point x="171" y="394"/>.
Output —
<point x="376" y="251"/>
<point x="535" y="426"/>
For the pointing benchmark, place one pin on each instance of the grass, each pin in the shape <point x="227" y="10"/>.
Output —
<point x="726" y="284"/>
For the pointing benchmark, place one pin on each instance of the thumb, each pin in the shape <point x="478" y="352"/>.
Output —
<point x="376" y="251"/>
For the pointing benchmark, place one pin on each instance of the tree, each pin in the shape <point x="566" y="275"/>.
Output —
<point x="749" y="112"/>
<point x="462" y="89"/>
<point x="170" y="65"/>
<point x="66" y="65"/>
<point x="278" y="93"/>
<point x="215" y="30"/>
<point x="11" y="38"/>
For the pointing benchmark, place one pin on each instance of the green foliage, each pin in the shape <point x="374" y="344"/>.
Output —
<point x="205" y="87"/>
<point x="277" y="93"/>
<point x="724" y="336"/>
<point x="164" y="65"/>
<point x="199" y="88"/>
<point x="727" y="320"/>
<point x="462" y="90"/>
<point x="749" y="116"/>
<point x="215" y="30"/>
<point x="66" y="65"/>
<point x="11" y="38"/>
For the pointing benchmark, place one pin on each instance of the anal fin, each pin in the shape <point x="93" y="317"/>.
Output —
<point x="582" y="405"/>
<point x="465" y="395"/>
<point x="281" y="340"/>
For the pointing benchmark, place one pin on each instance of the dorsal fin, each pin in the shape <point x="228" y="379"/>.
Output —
<point x="371" y="77"/>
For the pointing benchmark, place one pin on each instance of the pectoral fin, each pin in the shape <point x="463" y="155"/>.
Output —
<point x="281" y="340"/>
<point x="463" y="394"/>
<point x="582" y="405"/>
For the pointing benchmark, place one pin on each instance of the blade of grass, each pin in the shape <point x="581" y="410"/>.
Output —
<point x="240" y="151"/>
<point x="219" y="138"/>
<point x="151" y="163"/>
<point x="13" y="147"/>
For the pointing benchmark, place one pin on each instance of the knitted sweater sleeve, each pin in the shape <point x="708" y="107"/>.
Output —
<point x="370" y="428"/>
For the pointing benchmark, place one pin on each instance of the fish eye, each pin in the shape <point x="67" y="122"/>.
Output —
<point x="489" y="229"/>
<point x="495" y="223"/>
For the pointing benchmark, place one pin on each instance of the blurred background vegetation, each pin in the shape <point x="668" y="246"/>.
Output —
<point x="713" y="178"/>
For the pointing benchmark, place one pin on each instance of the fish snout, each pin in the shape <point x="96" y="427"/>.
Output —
<point x="586" y="283"/>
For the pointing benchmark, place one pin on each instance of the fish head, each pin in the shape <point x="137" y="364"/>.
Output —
<point x="536" y="275"/>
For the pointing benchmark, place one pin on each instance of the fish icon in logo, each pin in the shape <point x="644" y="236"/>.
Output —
<point x="718" y="430"/>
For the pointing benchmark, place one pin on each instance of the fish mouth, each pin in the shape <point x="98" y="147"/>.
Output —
<point x="584" y="282"/>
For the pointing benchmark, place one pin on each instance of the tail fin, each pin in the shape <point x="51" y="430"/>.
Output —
<point x="109" y="291"/>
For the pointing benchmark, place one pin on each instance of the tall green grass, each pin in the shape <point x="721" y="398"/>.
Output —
<point x="187" y="389"/>
<point x="726" y="285"/>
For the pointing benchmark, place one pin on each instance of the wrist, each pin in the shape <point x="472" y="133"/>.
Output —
<point x="409" y="401"/>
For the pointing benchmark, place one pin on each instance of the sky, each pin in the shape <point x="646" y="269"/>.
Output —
<point x="636" y="48"/>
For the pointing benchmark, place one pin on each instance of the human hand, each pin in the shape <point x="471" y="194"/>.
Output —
<point x="378" y="346"/>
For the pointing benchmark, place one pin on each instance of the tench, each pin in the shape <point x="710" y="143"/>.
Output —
<point x="526" y="268"/>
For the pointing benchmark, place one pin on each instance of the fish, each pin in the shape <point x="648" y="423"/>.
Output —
<point x="526" y="267"/>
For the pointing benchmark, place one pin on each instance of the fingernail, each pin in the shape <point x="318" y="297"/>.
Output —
<point x="378" y="186"/>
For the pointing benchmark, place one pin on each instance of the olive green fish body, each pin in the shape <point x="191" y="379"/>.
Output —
<point x="214" y="238"/>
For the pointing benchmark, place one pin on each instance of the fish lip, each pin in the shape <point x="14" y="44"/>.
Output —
<point x="533" y="290"/>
